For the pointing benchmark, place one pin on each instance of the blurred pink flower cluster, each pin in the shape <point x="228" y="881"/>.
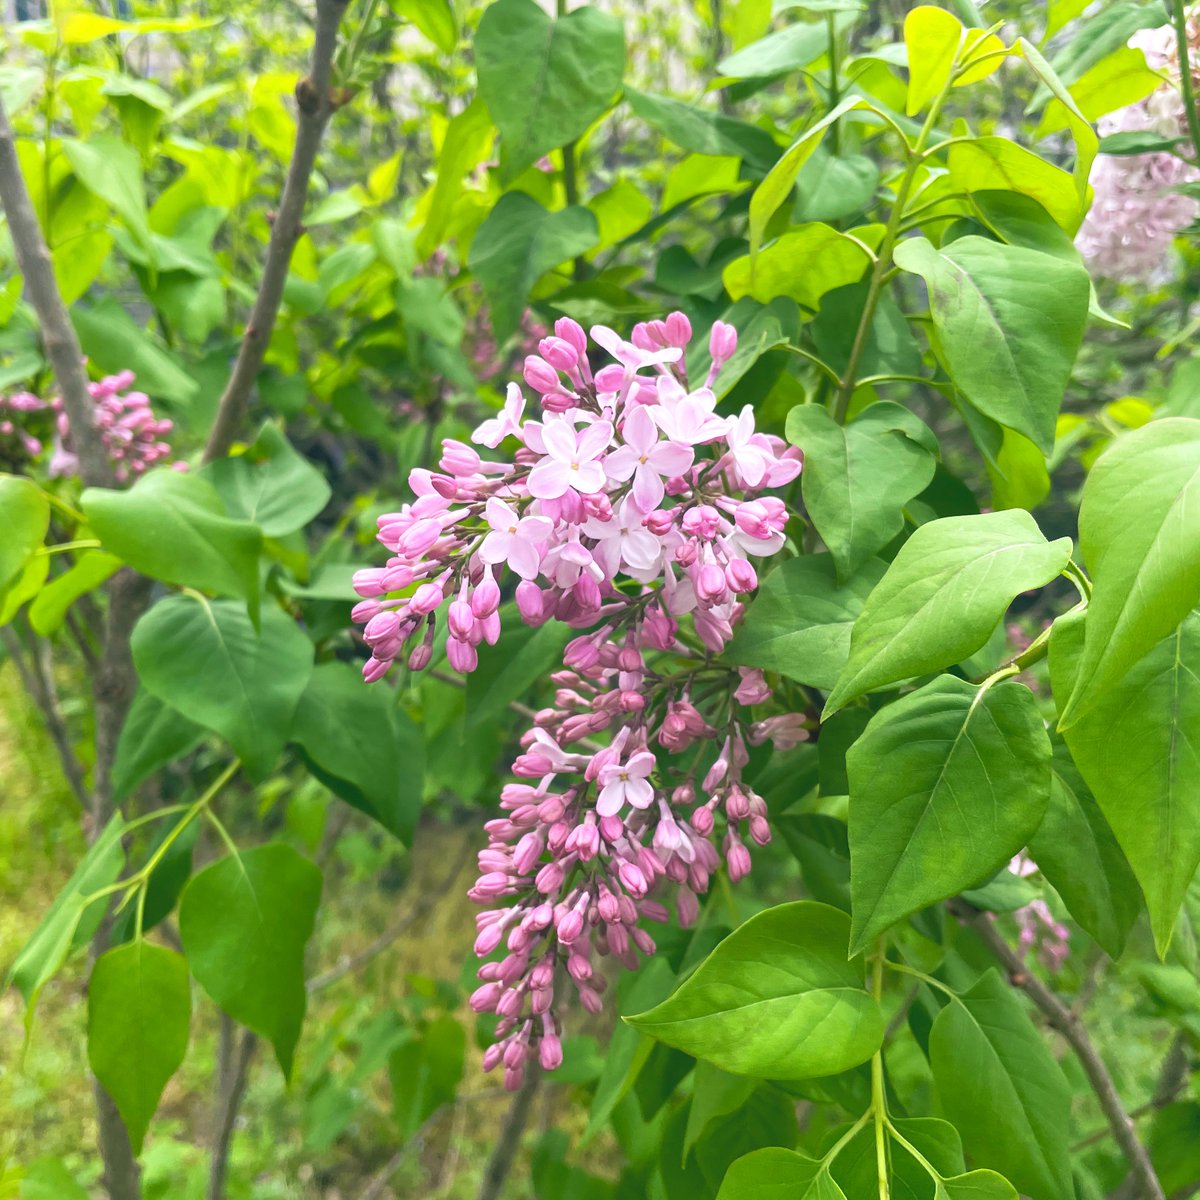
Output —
<point x="133" y="436"/>
<point x="1040" y="931"/>
<point x="632" y="512"/>
<point x="1136" y="211"/>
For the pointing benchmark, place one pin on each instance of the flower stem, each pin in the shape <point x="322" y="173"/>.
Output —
<point x="878" y="1094"/>
<point x="1179" y="20"/>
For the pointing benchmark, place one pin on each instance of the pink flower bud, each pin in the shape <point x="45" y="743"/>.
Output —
<point x="460" y="620"/>
<point x="722" y="342"/>
<point x="678" y="330"/>
<point x="540" y="375"/>
<point x="485" y="599"/>
<point x="740" y="575"/>
<point x="461" y="655"/>
<point x="550" y="1053"/>
<point x="572" y="332"/>
<point x="426" y="598"/>
<point x="530" y="602"/>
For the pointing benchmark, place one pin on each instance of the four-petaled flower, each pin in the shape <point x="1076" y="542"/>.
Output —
<point x="627" y="783"/>
<point x="571" y="460"/>
<point x="514" y="539"/>
<point x="508" y="423"/>
<point x="647" y="459"/>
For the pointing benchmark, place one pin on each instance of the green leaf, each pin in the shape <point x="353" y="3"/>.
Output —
<point x="425" y="1073"/>
<point x="943" y="595"/>
<point x="570" y="71"/>
<point x="209" y="663"/>
<point x="25" y="587"/>
<point x="172" y="526"/>
<point x="518" y="243"/>
<point x="1138" y="750"/>
<point x="466" y="143"/>
<point x="998" y="164"/>
<point x="778" y="1174"/>
<point x="803" y="263"/>
<point x="434" y="18"/>
<point x="784" y="51"/>
<point x="362" y="746"/>
<point x="702" y="131"/>
<point x="1009" y="322"/>
<point x="508" y="671"/>
<point x="799" y="623"/>
<point x="1000" y="1086"/>
<point x="70" y="920"/>
<point x="946" y="785"/>
<point x="49" y="608"/>
<point x="112" y="169"/>
<point x="976" y="1185"/>
<point x="856" y="1167"/>
<point x="777" y="186"/>
<point x="270" y="484"/>
<point x="714" y="1094"/>
<point x="932" y="37"/>
<point x="139" y="1011"/>
<point x="113" y="341"/>
<point x="776" y="999"/>
<point x="858" y="477"/>
<point x="153" y="735"/>
<point x="1075" y="849"/>
<point x="244" y="922"/>
<point x="1139" y="525"/>
<point x="25" y="515"/>
<point x="1174" y="1146"/>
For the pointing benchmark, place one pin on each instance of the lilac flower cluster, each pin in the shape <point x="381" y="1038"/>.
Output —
<point x="1137" y="211"/>
<point x="1039" y="930"/>
<point x="130" y="432"/>
<point x="630" y="511"/>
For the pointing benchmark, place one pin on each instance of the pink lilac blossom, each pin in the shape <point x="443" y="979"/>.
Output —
<point x="130" y="432"/>
<point x="632" y="512"/>
<point x="1136" y="211"/>
<point x="1039" y="930"/>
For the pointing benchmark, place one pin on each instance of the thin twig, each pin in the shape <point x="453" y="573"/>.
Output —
<point x="509" y="1141"/>
<point x="233" y="1075"/>
<point x="315" y="105"/>
<point x="1071" y="1028"/>
<point x="58" y="334"/>
<point x="51" y="715"/>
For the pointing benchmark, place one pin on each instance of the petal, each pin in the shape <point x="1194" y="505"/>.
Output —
<point x="534" y="529"/>
<point x="560" y="439"/>
<point x="610" y="800"/>
<point x="639" y="793"/>
<point x="648" y="489"/>
<point x="639" y="431"/>
<point x="498" y="514"/>
<point x="594" y="440"/>
<point x="621" y="463"/>
<point x="640" y="764"/>
<point x="641" y="550"/>
<point x="588" y="479"/>
<point x="495" y="547"/>
<point x="524" y="558"/>
<point x="549" y="479"/>
<point x="671" y="458"/>
<point x="489" y="433"/>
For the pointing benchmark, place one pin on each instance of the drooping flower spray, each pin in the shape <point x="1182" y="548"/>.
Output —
<point x="632" y="512"/>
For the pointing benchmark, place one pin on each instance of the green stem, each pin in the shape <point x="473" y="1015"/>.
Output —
<point x="835" y="136"/>
<point x="878" y="1094"/>
<point x="64" y="547"/>
<point x="879" y="272"/>
<point x="1179" y="20"/>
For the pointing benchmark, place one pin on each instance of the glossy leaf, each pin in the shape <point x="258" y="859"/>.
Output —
<point x="270" y="485"/>
<point x="1137" y="747"/>
<point x="946" y="785"/>
<point x="362" y="746"/>
<point x="209" y="663"/>
<point x="858" y="477"/>
<point x="803" y="263"/>
<point x="776" y="999"/>
<point x="800" y="621"/>
<point x="49" y="607"/>
<point x="1139" y="526"/>
<point x="702" y="131"/>
<point x="244" y="922"/>
<point x="1009" y="322"/>
<point x="25" y="513"/>
<point x="779" y="1174"/>
<point x="71" y="919"/>
<point x="518" y="243"/>
<point x="173" y="527"/>
<point x="943" y="595"/>
<point x="153" y="735"/>
<point x="139" y="1011"/>
<point x="1000" y="1086"/>
<point x="1075" y="849"/>
<point x="570" y="70"/>
<point x="932" y="37"/>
